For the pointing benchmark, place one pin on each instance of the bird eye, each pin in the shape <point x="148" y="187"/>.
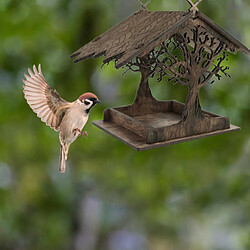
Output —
<point x="86" y="102"/>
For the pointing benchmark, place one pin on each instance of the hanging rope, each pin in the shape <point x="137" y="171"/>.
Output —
<point x="144" y="6"/>
<point x="194" y="7"/>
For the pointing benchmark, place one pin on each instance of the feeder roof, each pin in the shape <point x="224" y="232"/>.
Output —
<point x="143" y="31"/>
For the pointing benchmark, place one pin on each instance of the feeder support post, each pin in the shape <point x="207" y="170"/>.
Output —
<point x="143" y="90"/>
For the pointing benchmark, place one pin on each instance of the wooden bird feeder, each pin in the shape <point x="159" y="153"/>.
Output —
<point x="186" y="48"/>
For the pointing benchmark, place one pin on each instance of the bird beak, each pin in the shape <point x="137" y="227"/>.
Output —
<point x="97" y="101"/>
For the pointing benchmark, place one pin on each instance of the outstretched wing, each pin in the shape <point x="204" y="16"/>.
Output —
<point x="43" y="100"/>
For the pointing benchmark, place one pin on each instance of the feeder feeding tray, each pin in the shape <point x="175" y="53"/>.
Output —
<point x="142" y="132"/>
<point x="184" y="47"/>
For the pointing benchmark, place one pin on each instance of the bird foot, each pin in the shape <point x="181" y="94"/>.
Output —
<point x="84" y="133"/>
<point x="81" y="133"/>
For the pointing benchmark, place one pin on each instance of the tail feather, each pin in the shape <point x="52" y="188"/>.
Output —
<point x="66" y="150"/>
<point x="62" y="164"/>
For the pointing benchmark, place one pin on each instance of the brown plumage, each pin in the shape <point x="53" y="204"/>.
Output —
<point x="87" y="95"/>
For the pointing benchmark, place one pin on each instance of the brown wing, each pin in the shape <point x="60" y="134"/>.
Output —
<point x="43" y="100"/>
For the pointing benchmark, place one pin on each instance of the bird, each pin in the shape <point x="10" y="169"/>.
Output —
<point x="69" y="118"/>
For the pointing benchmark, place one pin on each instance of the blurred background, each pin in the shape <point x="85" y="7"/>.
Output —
<point x="194" y="195"/>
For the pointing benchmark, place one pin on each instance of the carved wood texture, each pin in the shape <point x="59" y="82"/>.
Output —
<point x="186" y="48"/>
<point x="191" y="57"/>
<point x="143" y="31"/>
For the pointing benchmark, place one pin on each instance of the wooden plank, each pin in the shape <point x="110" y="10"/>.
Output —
<point x="138" y="143"/>
<point x="163" y="35"/>
<point x="130" y="123"/>
<point x="183" y="129"/>
<point x="158" y="120"/>
<point x="165" y="126"/>
<point x="177" y="107"/>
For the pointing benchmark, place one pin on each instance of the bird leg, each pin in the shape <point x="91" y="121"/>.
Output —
<point x="82" y="133"/>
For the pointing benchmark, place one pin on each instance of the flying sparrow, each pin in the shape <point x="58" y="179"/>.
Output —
<point x="67" y="117"/>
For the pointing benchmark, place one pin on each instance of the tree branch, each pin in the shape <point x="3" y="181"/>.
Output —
<point x="183" y="53"/>
<point x="217" y="68"/>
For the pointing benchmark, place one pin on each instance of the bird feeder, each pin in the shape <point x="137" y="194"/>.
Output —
<point x="184" y="47"/>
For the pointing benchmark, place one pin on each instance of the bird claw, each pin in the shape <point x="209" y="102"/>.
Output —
<point x="84" y="133"/>
<point x="81" y="133"/>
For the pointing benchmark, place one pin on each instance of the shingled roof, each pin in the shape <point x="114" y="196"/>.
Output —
<point x="143" y="31"/>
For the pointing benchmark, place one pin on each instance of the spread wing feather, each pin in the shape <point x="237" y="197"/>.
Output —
<point x="42" y="99"/>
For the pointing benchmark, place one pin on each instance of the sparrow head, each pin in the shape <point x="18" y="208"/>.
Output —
<point x="89" y="100"/>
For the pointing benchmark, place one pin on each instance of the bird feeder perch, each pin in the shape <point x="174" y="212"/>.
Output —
<point x="185" y="47"/>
